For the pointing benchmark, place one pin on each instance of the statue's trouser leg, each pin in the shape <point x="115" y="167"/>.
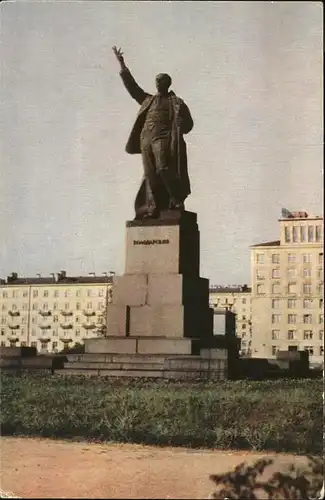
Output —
<point x="150" y="174"/>
<point x="168" y="175"/>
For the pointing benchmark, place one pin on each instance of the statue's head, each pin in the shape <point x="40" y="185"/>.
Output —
<point x="163" y="82"/>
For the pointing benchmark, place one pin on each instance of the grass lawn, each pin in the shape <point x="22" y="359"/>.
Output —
<point x="284" y="415"/>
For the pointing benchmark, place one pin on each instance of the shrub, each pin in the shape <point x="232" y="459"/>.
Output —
<point x="246" y="482"/>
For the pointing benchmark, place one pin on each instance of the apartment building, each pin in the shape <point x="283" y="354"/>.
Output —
<point x="237" y="299"/>
<point x="50" y="313"/>
<point x="287" y="289"/>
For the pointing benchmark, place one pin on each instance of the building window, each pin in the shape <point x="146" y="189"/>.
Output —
<point x="2" y="331"/>
<point x="320" y="289"/>
<point x="55" y="306"/>
<point x="66" y="293"/>
<point x="43" y="345"/>
<point x="45" y="306"/>
<point x="291" y="303"/>
<point x="276" y="318"/>
<point x="78" y="293"/>
<point x="291" y="334"/>
<point x="275" y="273"/>
<point x="54" y="345"/>
<point x="275" y="258"/>
<point x="287" y="235"/>
<point x="45" y="293"/>
<point x="306" y="258"/>
<point x="23" y="344"/>
<point x="302" y="234"/>
<point x="89" y="305"/>
<point x="243" y="301"/>
<point x="320" y="258"/>
<point x="260" y="258"/>
<point x="291" y="257"/>
<point x="320" y="273"/>
<point x="14" y="294"/>
<point x="14" y="307"/>
<point x="321" y="350"/>
<point x="3" y="307"/>
<point x="35" y="306"/>
<point x="275" y="303"/>
<point x="318" y="233"/>
<point x="307" y="288"/>
<point x="24" y="319"/>
<point x="25" y="307"/>
<point x="295" y="234"/>
<point x="56" y="293"/>
<point x="292" y="319"/>
<point x="308" y="319"/>
<point x="35" y="293"/>
<point x="25" y="293"/>
<point x="310" y="234"/>
<point x="260" y="274"/>
<point x="101" y="293"/>
<point x="89" y="293"/>
<point x="55" y="318"/>
<point x="78" y="305"/>
<point x="321" y="303"/>
<point x="307" y="303"/>
<point x="34" y="344"/>
<point x="274" y="350"/>
<point x="33" y="332"/>
<point x="3" y="320"/>
<point x="309" y="349"/>
<point x="321" y="319"/>
<point x="77" y="332"/>
<point x="292" y="272"/>
<point x="275" y="334"/>
<point x="4" y="295"/>
<point x="66" y="306"/>
<point x="55" y="333"/>
<point x="292" y="288"/>
<point x="306" y="272"/>
<point x="33" y="320"/>
<point x="100" y="320"/>
<point x="308" y="334"/>
<point x="276" y="288"/>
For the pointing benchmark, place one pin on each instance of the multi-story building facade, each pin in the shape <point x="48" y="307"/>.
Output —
<point x="236" y="299"/>
<point x="287" y="289"/>
<point x="50" y="313"/>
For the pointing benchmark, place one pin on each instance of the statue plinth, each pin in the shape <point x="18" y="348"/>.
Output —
<point x="161" y="304"/>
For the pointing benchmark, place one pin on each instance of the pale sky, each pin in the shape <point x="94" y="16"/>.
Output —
<point x="251" y="74"/>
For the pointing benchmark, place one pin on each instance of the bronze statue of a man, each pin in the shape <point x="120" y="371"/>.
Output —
<point x="157" y="134"/>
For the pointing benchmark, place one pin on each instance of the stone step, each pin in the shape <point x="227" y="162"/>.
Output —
<point x="86" y="365"/>
<point x="111" y="373"/>
<point x="117" y="358"/>
<point x="162" y="374"/>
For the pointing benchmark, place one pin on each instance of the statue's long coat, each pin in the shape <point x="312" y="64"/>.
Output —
<point x="178" y="154"/>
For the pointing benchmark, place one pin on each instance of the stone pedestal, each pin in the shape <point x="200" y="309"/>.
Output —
<point x="161" y="304"/>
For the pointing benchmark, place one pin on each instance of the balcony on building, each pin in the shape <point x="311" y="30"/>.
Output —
<point x="45" y="313"/>
<point x="13" y="339"/>
<point x="66" y="313"/>
<point x="14" y="327"/>
<point x="88" y="313"/>
<point x="66" y="326"/>
<point x="44" y="327"/>
<point x="89" y="326"/>
<point x="13" y="313"/>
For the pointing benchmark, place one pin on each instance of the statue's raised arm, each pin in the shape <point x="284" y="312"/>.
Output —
<point x="130" y="84"/>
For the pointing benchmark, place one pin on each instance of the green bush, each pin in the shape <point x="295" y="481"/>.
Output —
<point x="281" y="415"/>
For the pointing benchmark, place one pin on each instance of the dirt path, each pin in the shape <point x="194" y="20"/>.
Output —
<point x="42" y="468"/>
